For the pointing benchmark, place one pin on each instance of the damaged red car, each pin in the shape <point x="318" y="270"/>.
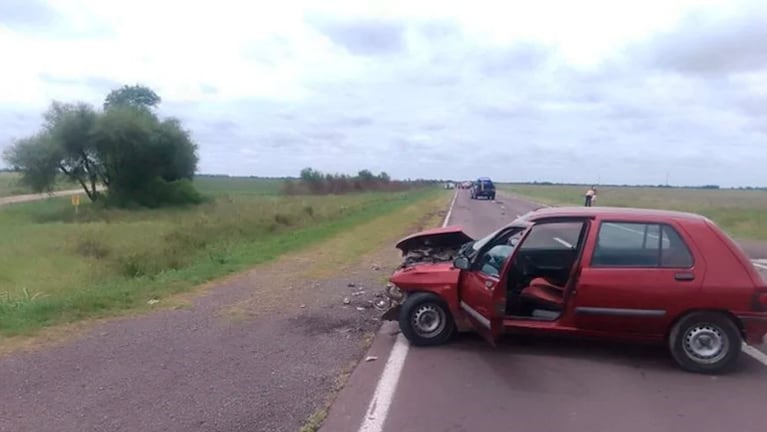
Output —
<point x="631" y="274"/>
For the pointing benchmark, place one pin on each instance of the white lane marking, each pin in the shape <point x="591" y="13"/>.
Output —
<point x="450" y="210"/>
<point x="755" y="353"/>
<point x="379" y="405"/>
<point x="566" y="244"/>
<point x="760" y="264"/>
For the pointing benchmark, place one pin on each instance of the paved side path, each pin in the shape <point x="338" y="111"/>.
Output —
<point x="14" y="199"/>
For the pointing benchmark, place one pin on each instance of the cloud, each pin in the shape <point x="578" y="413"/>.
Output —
<point x="707" y="44"/>
<point x="426" y="89"/>
<point x="26" y="14"/>
<point x="363" y="36"/>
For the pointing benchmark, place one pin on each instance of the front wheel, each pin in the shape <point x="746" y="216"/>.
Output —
<point x="705" y="342"/>
<point x="425" y="320"/>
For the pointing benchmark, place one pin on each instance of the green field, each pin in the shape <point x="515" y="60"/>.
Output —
<point x="58" y="267"/>
<point x="210" y="185"/>
<point x="10" y="185"/>
<point x="743" y="213"/>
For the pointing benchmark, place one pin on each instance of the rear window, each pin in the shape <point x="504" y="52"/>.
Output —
<point x="629" y="244"/>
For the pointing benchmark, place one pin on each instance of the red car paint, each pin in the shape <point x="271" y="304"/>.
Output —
<point x="639" y="304"/>
<point x="445" y="235"/>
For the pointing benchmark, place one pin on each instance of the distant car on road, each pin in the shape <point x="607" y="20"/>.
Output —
<point x="631" y="274"/>
<point x="483" y="187"/>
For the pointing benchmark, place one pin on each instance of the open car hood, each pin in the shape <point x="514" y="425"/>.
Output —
<point x="451" y="236"/>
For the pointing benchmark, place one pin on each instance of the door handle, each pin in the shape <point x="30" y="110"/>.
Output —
<point x="684" y="276"/>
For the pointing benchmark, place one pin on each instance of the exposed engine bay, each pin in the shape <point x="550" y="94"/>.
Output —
<point x="428" y="255"/>
<point x="432" y="246"/>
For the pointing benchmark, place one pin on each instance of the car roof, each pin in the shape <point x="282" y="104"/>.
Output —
<point x="484" y="178"/>
<point x="613" y="212"/>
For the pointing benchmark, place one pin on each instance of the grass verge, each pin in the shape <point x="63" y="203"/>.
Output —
<point x="112" y="261"/>
<point x="742" y="213"/>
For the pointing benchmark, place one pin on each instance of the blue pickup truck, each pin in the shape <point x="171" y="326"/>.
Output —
<point x="483" y="187"/>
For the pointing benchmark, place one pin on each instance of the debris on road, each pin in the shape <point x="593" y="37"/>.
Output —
<point x="371" y="358"/>
<point x="347" y="301"/>
<point x="302" y="306"/>
<point x="360" y="308"/>
<point x="351" y="285"/>
<point x="153" y="301"/>
<point x="376" y="267"/>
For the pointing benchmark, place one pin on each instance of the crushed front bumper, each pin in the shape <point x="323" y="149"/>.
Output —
<point x="392" y="314"/>
<point x="396" y="298"/>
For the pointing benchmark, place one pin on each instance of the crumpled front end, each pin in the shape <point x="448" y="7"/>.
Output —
<point x="426" y="265"/>
<point x="440" y="279"/>
<point x="432" y="246"/>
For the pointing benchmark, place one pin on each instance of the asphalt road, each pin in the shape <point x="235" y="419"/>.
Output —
<point x="540" y="384"/>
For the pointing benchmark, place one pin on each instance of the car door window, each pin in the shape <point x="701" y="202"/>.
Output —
<point x="630" y="244"/>
<point x="494" y="258"/>
<point x="491" y="262"/>
<point x="674" y="251"/>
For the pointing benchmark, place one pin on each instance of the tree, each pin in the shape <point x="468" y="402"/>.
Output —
<point x="142" y="154"/>
<point x="136" y="96"/>
<point x="38" y="158"/>
<point x="365" y="175"/>
<point x="127" y="148"/>
<point x="70" y="128"/>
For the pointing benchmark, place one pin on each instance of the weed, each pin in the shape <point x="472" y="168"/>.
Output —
<point x="92" y="248"/>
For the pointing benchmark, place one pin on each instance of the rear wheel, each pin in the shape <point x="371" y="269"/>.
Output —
<point x="425" y="320"/>
<point x="705" y="342"/>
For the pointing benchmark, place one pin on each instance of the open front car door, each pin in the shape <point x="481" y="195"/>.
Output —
<point x="482" y="295"/>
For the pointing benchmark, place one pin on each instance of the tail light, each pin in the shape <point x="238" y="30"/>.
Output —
<point x="760" y="300"/>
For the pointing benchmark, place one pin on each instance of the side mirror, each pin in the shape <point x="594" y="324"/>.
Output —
<point x="461" y="262"/>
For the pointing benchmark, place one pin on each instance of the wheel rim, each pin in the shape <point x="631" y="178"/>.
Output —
<point x="706" y="343"/>
<point x="428" y="320"/>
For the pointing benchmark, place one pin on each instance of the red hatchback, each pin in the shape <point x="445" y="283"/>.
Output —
<point x="635" y="274"/>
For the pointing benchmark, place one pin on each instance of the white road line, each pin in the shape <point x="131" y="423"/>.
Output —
<point x="755" y="353"/>
<point x="387" y="384"/>
<point x="566" y="244"/>
<point x="379" y="405"/>
<point x="449" y="211"/>
<point x="758" y="263"/>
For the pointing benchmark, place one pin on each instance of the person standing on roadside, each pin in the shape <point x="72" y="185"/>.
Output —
<point x="591" y="195"/>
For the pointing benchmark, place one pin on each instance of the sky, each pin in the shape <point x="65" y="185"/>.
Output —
<point x="588" y="91"/>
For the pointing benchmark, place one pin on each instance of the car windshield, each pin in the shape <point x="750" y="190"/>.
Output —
<point x="471" y="248"/>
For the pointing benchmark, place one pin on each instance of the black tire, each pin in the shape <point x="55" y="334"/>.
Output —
<point x="420" y="307"/>
<point x="697" y="333"/>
